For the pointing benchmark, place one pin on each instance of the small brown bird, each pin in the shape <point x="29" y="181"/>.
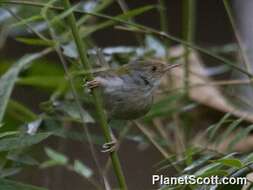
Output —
<point x="128" y="90"/>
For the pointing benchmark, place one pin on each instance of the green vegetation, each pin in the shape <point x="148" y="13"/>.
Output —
<point x="64" y="53"/>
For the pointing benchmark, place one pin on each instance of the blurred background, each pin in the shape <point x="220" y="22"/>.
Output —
<point x="185" y="119"/>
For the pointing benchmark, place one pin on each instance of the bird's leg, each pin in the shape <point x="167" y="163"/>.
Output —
<point x="110" y="146"/>
<point x="113" y="144"/>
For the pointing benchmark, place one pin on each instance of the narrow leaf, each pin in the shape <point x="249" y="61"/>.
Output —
<point x="21" y="110"/>
<point x="23" y="141"/>
<point x="83" y="170"/>
<point x="7" y="172"/>
<point x="124" y="16"/>
<point x="7" y="81"/>
<point x="240" y="135"/>
<point x="8" y="133"/>
<point x="27" y="21"/>
<point x="13" y="185"/>
<point x="35" y="41"/>
<point x="216" y="127"/>
<point x="43" y="81"/>
<point x="56" y="156"/>
<point x="230" y="162"/>
<point x="228" y="131"/>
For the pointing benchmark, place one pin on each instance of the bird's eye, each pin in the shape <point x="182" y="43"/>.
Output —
<point x="154" y="68"/>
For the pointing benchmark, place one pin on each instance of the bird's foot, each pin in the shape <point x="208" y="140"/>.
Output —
<point x="92" y="84"/>
<point x="110" y="146"/>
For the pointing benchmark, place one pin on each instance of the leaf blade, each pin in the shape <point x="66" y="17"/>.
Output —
<point x="13" y="185"/>
<point x="8" y="80"/>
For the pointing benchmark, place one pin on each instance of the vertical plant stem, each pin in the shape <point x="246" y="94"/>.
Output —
<point x="188" y="35"/>
<point x="238" y="38"/>
<point x="45" y="14"/>
<point x="164" y="26"/>
<point x="164" y="19"/>
<point x="97" y="100"/>
<point x="189" y="19"/>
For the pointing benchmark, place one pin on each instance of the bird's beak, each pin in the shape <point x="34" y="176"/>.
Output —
<point x="169" y="67"/>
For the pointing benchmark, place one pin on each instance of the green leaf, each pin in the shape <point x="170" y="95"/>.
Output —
<point x="45" y="67"/>
<point x="22" y="157"/>
<point x="7" y="81"/>
<point x="72" y="110"/>
<point x="13" y="185"/>
<point x="36" y="41"/>
<point x="198" y="163"/>
<point x="81" y="169"/>
<point x="228" y="131"/>
<point x="23" y="141"/>
<point x="99" y="7"/>
<point x="6" y="172"/>
<point x="49" y="163"/>
<point x="43" y="81"/>
<point x="232" y="162"/>
<point x="215" y="128"/>
<point x="22" y="112"/>
<point x="8" y="133"/>
<point x="27" y="21"/>
<point x="57" y="157"/>
<point x="215" y="173"/>
<point x="213" y="166"/>
<point x="240" y="135"/>
<point x="248" y="159"/>
<point x="208" y="169"/>
<point x="125" y="16"/>
<point x="61" y="16"/>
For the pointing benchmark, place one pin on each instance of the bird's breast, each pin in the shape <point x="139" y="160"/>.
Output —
<point x="127" y="102"/>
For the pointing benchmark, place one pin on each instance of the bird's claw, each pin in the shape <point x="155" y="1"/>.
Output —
<point x="110" y="146"/>
<point x="91" y="84"/>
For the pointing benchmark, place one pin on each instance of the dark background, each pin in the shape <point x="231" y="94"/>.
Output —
<point x="212" y="29"/>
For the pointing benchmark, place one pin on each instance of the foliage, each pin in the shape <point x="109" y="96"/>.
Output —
<point x="23" y="128"/>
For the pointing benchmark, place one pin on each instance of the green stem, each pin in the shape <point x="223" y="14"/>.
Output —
<point x="188" y="35"/>
<point x="163" y="16"/>
<point x="164" y="24"/>
<point x="97" y="100"/>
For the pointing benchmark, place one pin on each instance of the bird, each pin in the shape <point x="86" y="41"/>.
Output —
<point x="128" y="91"/>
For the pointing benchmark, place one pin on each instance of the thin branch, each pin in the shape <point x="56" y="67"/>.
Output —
<point x="238" y="38"/>
<point x="27" y="25"/>
<point x="75" y="95"/>
<point x="150" y="137"/>
<point x="152" y="140"/>
<point x="120" y="139"/>
<point x="97" y="100"/>
<point x="214" y="83"/>
<point x="189" y="31"/>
